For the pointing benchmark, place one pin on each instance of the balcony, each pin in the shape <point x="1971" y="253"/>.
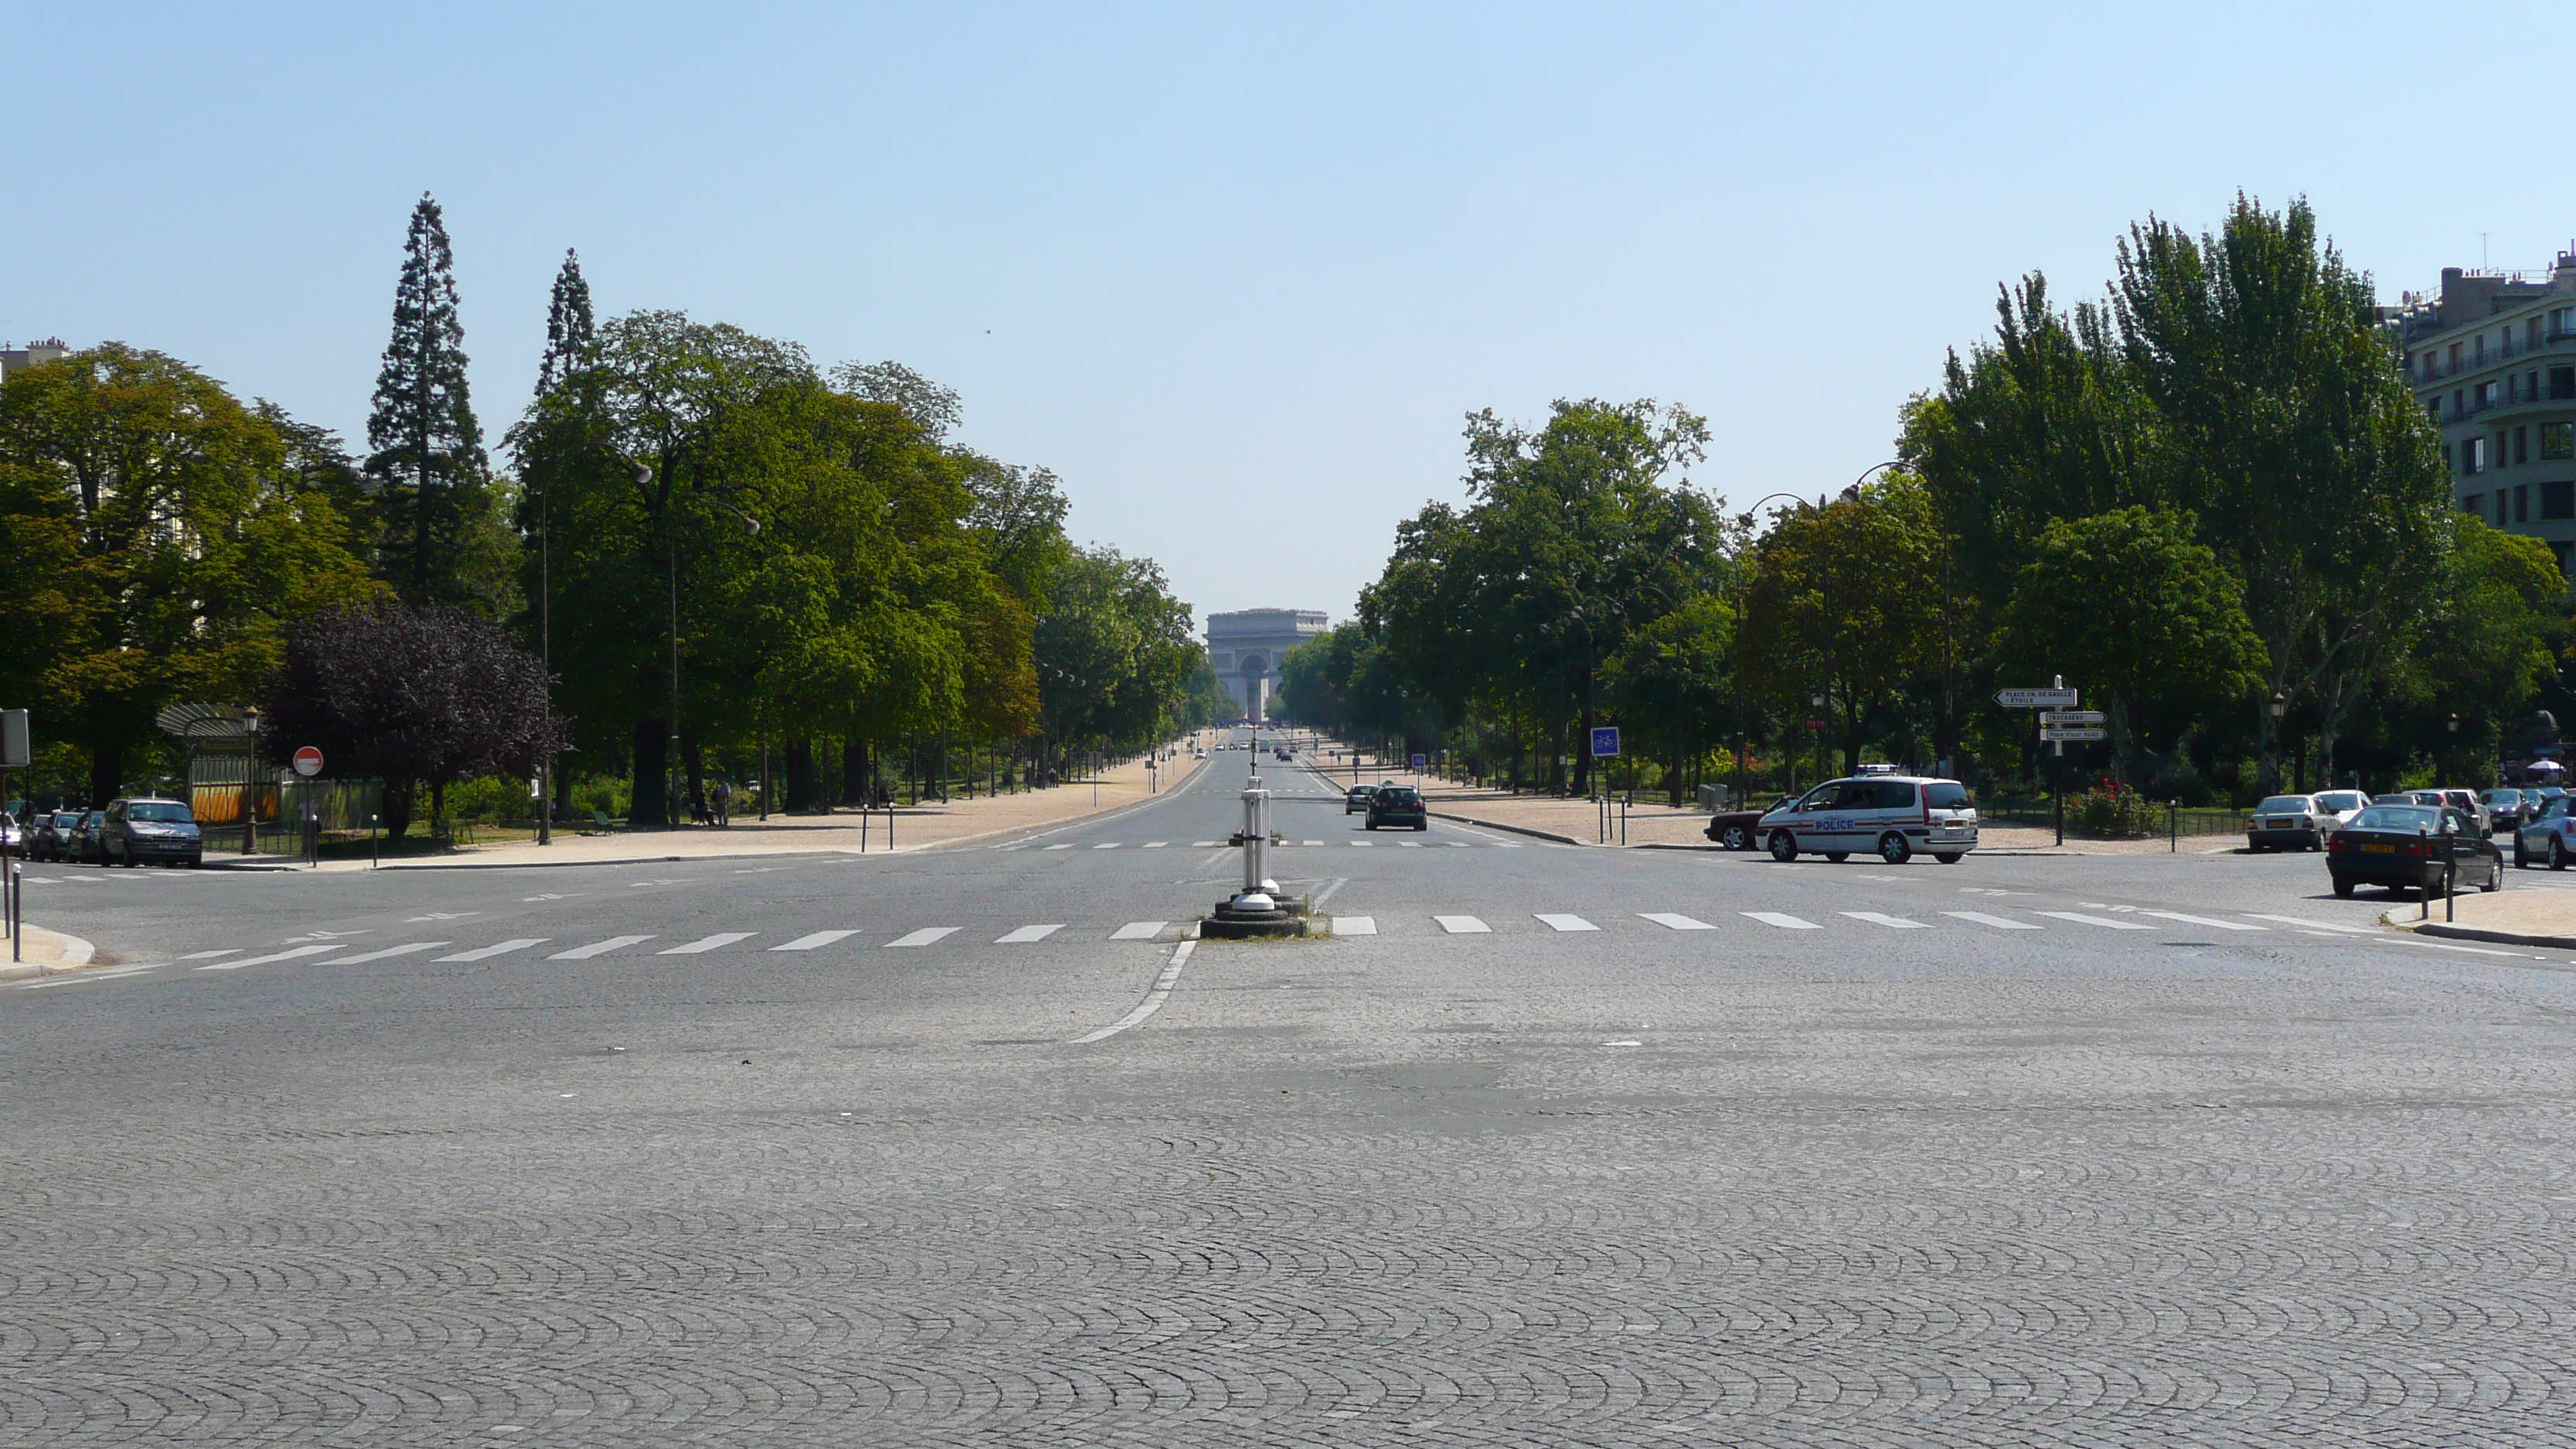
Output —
<point x="2433" y="368"/>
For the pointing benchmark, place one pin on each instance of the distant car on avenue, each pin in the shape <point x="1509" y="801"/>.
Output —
<point x="2402" y="847"/>
<point x="52" y="837"/>
<point x="1357" y="802"/>
<point x="1890" y="816"/>
<point x="2508" y="807"/>
<point x="1398" y="805"/>
<point x="83" y="844"/>
<point x="137" y="830"/>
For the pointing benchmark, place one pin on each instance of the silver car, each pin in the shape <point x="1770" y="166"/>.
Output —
<point x="2549" y="835"/>
<point x="2290" y="822"/>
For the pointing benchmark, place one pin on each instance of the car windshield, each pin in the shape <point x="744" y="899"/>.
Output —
<point x="2407" y="819"/>
<point x="2343" y="800"/>
<point x="2504" y="797"/>
<point x="2283" y="805"/>
<point x="168" y="812"/>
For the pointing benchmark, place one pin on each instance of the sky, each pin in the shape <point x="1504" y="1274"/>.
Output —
<point x="1237" y="273"/>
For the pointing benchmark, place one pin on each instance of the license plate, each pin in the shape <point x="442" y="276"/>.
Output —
<point x="2379" y="849"/>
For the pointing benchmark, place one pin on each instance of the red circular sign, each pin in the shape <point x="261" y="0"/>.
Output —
<point x="308" y="762"/>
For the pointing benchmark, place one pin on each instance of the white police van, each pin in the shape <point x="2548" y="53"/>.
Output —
<point x="1879" y="812"/>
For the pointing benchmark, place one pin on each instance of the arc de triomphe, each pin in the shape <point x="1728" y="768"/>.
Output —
<point x="1244" y="649"/>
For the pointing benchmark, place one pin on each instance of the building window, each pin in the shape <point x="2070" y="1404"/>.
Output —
<point x="2473" y="456"/>
<point x="2531" y="332"/>
<point x="2459" y="401"/>
<point x="2433" y="407"/>
<point x="2455" y="357"/>
<point x="2562" y="383"/>
<point x="2560" y="549"/>
<point x="2521" y="503"/>
<point x="2557" y="440"/>
<point x="2499" y="447"/>
<point x="2487" y="393"/>
<point x="2558" y="499"/>
<point x="2474" y="503"/>
<point x="2521" y="445"/>
<point x="2531" y="386"/>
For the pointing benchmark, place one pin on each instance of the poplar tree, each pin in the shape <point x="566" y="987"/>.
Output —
<point x="425" y="451"/>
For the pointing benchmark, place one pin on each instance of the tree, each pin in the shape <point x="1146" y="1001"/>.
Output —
<point x="570" y="329"/>
<point x="1114" y="654"/>
<point x="2130" y="604"/>
<point x="443" y="539"/>
<point x="428" y="694"/>
<point x="161" y="537"/>
<point x="1675" y="683"/>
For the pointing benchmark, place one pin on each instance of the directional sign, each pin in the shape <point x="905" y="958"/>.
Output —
<point x="2071" y="716"/>
<point x="2036" y="698"/>
<point x="1420" y="760"/>
<point x="2069" y="732"/>
<point x="1605" y="742"/>
<point x="308" y="762"/>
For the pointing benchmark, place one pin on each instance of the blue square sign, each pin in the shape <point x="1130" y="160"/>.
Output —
<point x="1605" y="742"/>
<point x="1420" y="760"/>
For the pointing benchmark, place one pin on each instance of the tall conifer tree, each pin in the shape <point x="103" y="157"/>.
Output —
<point x="568" y="324"/>
<point x="425" y="449"/>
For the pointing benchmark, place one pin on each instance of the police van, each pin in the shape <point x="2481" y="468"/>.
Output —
<point x="1878" y="812"/>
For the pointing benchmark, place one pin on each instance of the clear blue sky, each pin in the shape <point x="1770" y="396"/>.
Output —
<point x="1237" y="272"/>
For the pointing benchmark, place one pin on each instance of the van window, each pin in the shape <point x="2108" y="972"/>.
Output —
<point x="165" y="811"/>
<point x="1895" y="794"/>
<point x="1947" y="795"/>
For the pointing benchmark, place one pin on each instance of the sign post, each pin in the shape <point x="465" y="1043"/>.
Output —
<point x="308" y="763"/>
<point x="2061" y="722"/>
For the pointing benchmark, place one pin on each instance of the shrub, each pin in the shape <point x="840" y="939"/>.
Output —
<point x="2113" y="809"/>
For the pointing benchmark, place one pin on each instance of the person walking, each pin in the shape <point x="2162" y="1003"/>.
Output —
<point x="724" y="801"/>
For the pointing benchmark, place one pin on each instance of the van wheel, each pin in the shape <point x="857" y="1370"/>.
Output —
<point x="1893" y="849"/>
<point x="1736" y="837"/>
<point x="1838" y="856"/>
<point x="1947" y="858"/>
<point x="1784" y="846"/>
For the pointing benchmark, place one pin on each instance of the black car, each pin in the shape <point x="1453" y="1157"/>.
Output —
<point x="52" y="837"/>
<point x="1398" y="805"/>
<point x="86" y="844"/>
<point x="2403" y="847"/>
<point x="1735" y="830"/>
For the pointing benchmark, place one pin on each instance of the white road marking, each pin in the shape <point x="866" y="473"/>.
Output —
<point x="1138" y="931"/>
<point x="1026" y="934"/>
<point x="1201" y="844"/>
<point x="211" y="955"/>
<point x="2314" y="925"/>
<point x="598" y="948"/>
<point x="485" y="953"/>
<point x="2105" y="922"/>
<point x="1156" y="844"/>
<point x="808" y="943"/>
<point x="708" y="943"/>
<point x="1410" y="844"/>
<point x="404" y="950"/>
<point x="1784" y="922"/>
<point x="1458" y="845"/>
<point x="1111" y="845"/>
<point x="1354" y="925"/>
<point x="1153" y="1001"/>
<point x="1566" y="923"/>
<point x="1463" y="926"/>
<point x="1064" y="845"/>
<point x="264" y="960"/>
<point x="1673" y="922"/>
<point x="2000" y="923"/>
<point x="1893" y="923"/>
<point x="2212" y="922"/>
<point x="923" y="937"/>
<point x="1363" y="843"/>
<point x="1311" y="842"/>
<point x="75" y="977"/>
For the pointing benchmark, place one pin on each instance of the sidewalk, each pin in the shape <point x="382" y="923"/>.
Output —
<point x="44" y="953"/>
<point x="2514" y="917"/>
<point x="915" y="827"/>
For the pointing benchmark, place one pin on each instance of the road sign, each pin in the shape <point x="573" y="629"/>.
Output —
<point x="1815" y="724"/>
<point x="2069" y="732"/>
<point x="2071" y="716"/>
<point x="308" y="762"/>
<point x="1421" y="760"/>
<point x="16" y="745"/>
<point x="2036" y="698"/>
<point x="1605" y="742"/>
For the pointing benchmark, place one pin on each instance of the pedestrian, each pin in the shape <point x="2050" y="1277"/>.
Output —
<point x="724" y="802"/>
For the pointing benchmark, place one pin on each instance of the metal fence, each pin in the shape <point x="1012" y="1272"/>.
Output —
<point x="2188" y="823"/>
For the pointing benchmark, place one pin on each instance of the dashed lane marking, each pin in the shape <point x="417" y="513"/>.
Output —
<point x="707" y="943"/>
<point x="1026" y="934"/>
<point x="1106" y="845"/>
<point x="1155" y="844"/>
<point x="1566" y="923"/>
<point x="1893" y="923"/>
<point x="598" y="948"/>
<point x="486" y="953"/>
<point x="1672" y="922"/>
<point x="1138" y="931"/>
<point x="2105" y="922"/>
<point x="1784" y="922"/>
<point x="211" y="955"/>
<point x="1201" y="844"/>
<point x="1061" y="845"/>
<point x="808" y="943"/>
<point x="409" y="949"/>
<point x="923" y="937"/>
<point x="288" y="955"/>
<point x="2000" y="923"/>
<point x="1463" y="926"/>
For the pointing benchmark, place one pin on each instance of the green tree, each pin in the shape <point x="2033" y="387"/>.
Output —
<point x="443" y="539"/>
<point x="1114" y="654"/>
<point x="1675" y="684"/>
<point x="570" y="327"/>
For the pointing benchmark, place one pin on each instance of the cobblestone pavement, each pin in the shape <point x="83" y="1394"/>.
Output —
<point x="2210" y="1177"/>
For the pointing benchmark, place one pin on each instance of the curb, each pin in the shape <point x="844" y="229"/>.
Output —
<point x="1518" y="830"/>
<point x="76" y="954"/>
<point x="2474" y="933"/>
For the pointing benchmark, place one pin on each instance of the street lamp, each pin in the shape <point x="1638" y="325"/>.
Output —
<point x="1818" y="701"/>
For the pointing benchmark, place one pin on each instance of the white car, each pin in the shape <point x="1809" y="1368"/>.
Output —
<point x="1891" y="816"/>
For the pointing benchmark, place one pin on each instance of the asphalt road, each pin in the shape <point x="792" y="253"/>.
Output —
<point x="1570" y="1147"/>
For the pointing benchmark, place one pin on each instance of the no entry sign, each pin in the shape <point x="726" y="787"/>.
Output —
<point x="308" y="762"/>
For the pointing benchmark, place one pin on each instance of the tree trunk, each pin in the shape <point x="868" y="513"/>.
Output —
<point x="804" y="781"/>
<point x="692" y="771"/>
<point x="646" y="785"/>
<point x="106" y="775"/>
<point x="438" y="809"/>
<point x="397" y="808"/>
<point x="854" y="774"/>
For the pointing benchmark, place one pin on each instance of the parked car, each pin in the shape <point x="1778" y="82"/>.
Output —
<point x="2506" y="808"/>
<point x="13" y="837"/>
<point x="1357" y="802"/>
<point x="1395" y="805"/>
<point x="1741" y="829"/>
<point x="2549" y="834"/>
<point x="2290" y="822"/>
<point x="1891" y="815"/>
<point x="84" y="840"/>
<point x="150" y="828"/>
<point x="2400" y="847"/>
<point x="2468" y="803"/>
<point x="2344" y="804"/>
<point x="52" y="837"/>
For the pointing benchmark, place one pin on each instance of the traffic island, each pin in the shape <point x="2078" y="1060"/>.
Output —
<point x="2511" y="918"/>
<point x="1255" y="912"/>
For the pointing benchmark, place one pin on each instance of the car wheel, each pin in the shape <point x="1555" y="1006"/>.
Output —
<point x="2557" y="854"/>
<point x="2343" y="887"/>
<point x="2521" y="857"/>
<point x="1784" y="846"/>
<point x="1838" y="856"/>
<point x="2495" y="878"/>
<point x="1736" y="838"/>
<point x="1947" y="858"/>
<point x="1893" y="849"/>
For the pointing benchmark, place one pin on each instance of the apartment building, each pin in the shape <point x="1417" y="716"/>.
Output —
<point x="12" y="359"/>
<point x="2494" y="360"/>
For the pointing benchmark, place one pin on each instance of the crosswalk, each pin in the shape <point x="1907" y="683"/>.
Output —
<point x="1298" y="844"/>
<point x="1559" y="922"/>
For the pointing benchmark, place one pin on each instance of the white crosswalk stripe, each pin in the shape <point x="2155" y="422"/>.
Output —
<point x="504" y="948"/>
<point x="1672" y="922"/>
<point x="1784" y="922"/>
<point x="1065" y="845"/>
<point x="1201" y="844"/>
<point x="1566" y="923"/>
<point x="1893" y="923"/>
<point x="2105" y="922"/>
<point x="808" y="943"/>
<point x="211" y="955"/>
<point x="1026" y="934"/>
<point x="1354" y="925"/>
<point x="598" y="948"/>
<point x="410" y="949"/>
<point x="297" y="953"/>
<point x="2212" y="922"/>
<point x="707" y="943"/>
<point x="2000" y="923"/>
<point x="1106" y="845"/>
<point x="1156" y="844"/>
<point x="2314" y="925"/>
<point x="1138" y="931"/>
<point x="927" y="935"/>
<point x="1463" y="925"/>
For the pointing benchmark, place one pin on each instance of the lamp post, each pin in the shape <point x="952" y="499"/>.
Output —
<point x="545" y="661"/>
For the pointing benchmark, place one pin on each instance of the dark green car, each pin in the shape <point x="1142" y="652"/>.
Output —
<point x="1398" y="805"/>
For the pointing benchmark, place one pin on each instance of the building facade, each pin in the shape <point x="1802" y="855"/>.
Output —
<point x="13" y="359"/>
<point x="2493" y="358"/>
<point x="1244" y="649"/>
